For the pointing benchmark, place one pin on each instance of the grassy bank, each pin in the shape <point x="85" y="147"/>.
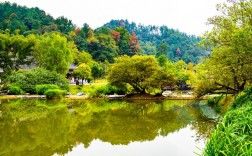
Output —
<point x="233" y="135"/>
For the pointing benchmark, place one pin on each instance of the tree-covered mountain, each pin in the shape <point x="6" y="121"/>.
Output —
<point x="31" y="20"/>
<point x="113" y="39"/>
<point x="156" y="40"/>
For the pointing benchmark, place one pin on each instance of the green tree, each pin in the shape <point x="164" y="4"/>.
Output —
<point x="161" y="50"/>
<point x="53" y="52"/>
<point x="83" y="71"/>
<point x="97" y="70"/>
<point x="136" y="71"/>
<point x="162" y="60"/>
<point x="230" y="41"/>
<point x="107" y="48"/>
<point x="84" y="57"/>
<point x="123" y="43"/>
<point x="15" y="51"/>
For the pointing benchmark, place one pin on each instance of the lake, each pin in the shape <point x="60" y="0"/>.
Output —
<point x="102" y="128"/>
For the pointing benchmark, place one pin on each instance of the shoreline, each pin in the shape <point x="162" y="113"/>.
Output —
<point x="137" y="97"/>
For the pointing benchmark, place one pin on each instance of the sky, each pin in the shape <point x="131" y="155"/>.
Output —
<point x="189" y="16"/>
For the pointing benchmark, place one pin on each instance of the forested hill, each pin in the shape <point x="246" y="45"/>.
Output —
<point x="31" y="20"/>
<point x="154" y="40"/>
<point x="118" y="37"/>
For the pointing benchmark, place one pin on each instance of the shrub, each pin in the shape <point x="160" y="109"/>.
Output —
<point x="107" y="90"/>
<point x="54" y="93"/>
<point x="41" y="89"/>
<point x="243" y="99"/>
<point x="15" y="90"/>
<point x="29" y="79"/>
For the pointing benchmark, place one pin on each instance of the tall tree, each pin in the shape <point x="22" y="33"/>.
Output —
<point x="134" y="45"/>
<point x="230" y="62"/>
<point x="54" y="53"/>
<point x="161" y="50"/>
<point x="15" y="50"/>
<point x="141" y="72"/>
<point x="123" y="43"/>
<point x="83" y="71"/>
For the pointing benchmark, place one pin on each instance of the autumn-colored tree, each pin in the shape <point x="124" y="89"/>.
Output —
<point x="134" y="45"/>
<point x="123" y="43"/>
<point x="116" y="35"/>
<point x="76" y="31"/>
<point x="178" y="52"/>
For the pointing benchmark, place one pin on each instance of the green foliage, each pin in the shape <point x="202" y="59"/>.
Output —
<point x="243" y="99"/>
<point x="105" y="47"/>
<point x="162" y="60"/>
<point x="230" y="42"/>
<point x="161" y="50"/>
<point x="54" y="93"/>
<point x="136" y="71"/>
<point x="159" y="40"/>
<point x="84" y="57"/>
<point x="233" y="135"/>
<point x="203" y="82"/>
<point x="15" y="90"/>
<point x="215" y="103"/>
<point x="83" y="71"/>
<point x="53" y="52"/>
<point x="107" y="90"/>
<point x="15" y="51"/>
<point x="31" y="20"/>
<point x="41" y="89"/>
<point x="141" y="72"/>
<point x="28" y="80"/>
<point x="124" y="41"/>
<point x="97" y="70"/>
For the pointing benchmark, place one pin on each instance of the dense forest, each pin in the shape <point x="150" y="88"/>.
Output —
<point x="116" y="38"/>
<point x="156" y="40"/>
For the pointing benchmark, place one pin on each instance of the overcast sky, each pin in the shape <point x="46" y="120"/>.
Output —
<point x="188" y="16"/>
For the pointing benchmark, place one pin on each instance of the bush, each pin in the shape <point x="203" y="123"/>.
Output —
<point x="107" y="90"/>
<point x="15" y="90"/>
<point x="243" y="99"/>
<point x="41" y="89"/>
<point x="54" y="93"/>
<point x="29" y="79"/>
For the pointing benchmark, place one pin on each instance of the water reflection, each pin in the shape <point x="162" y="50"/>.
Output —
<point x="37" y="127"/>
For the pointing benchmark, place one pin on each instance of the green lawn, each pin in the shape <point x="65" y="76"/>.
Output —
<point x="74" y="89"/>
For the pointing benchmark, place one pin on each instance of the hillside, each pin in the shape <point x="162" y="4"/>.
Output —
<point x="153" y="39"/>
<point x="103" y="43"/>
<point x="31" y="20"/>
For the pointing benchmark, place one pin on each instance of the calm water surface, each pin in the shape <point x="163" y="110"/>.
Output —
<point x="102" y="128"/>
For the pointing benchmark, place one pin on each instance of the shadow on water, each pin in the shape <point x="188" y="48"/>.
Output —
<point x="40" y="127"/>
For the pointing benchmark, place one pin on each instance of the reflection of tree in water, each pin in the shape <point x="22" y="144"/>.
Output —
<point x="43" y="130"/>
<point x="203" y="126"/>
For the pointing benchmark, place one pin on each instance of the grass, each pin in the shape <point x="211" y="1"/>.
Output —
<point x="233" y="135"/>
<point x="74" y="89"/>
<point x="100" y="81"/>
